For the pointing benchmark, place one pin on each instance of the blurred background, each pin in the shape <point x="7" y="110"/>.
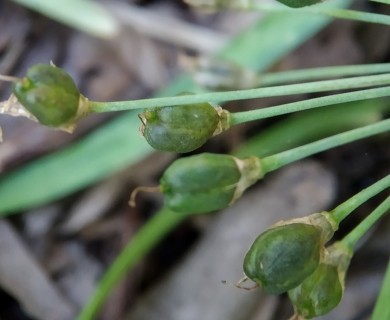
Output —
<point x="54" y="248"/>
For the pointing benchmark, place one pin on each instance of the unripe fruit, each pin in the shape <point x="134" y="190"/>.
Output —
<point x="319" y="293"/>
<point x="207" y="182"/>
<point x="323" y="290"/>
<point x="283" y="256"/>
<point x="181" y="128"/>
<point x="49" y="94"/>
<point x="299" y="3"/>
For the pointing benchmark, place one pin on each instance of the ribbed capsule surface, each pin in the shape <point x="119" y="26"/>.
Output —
<point x="48" y="93"/>
<point x="299" y="3"/>
<point x="201" y="183"/>
<point x="319" y="293"/>
<point x="179" y="128"/>
<point x="283" y="256"/>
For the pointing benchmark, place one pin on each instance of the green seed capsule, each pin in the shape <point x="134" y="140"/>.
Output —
<point x="207" y="182"/>
<point x="48" y="93"/>
<point x="181" y="128"/>
<point x="319" y="293"/>
<point x="299" y="3"/>
<point x="283" y="256"/>
<point x="322" y="291"/>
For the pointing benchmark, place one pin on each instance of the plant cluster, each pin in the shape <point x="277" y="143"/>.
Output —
<point x="291" y="256"/>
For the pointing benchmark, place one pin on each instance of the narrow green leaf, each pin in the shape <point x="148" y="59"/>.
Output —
<point x="382" y="306"/>
<point x="86" y="15"/>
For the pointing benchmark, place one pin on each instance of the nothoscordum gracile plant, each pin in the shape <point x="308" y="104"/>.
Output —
<point x="183" y="123"/>
<point x="186" y="184"/>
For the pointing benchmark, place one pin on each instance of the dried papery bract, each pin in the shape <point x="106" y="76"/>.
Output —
<point x="322" y="291"/>
<point x="182" y="128"/>
<point x="284" y="255"/>
<point x="207" y="182"/>
<point x="12" y="106"/>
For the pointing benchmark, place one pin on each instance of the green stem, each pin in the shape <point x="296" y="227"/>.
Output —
<point x="382" y="306"/>
<point x="241" y="117"/>
<point x="310" y="87"/>
<point x="282" y="77"/>
<point x="150" y="234"/>
<point x="281" y="159"/>
<point x="343" y="210"/>
<point x="351" y="15"/>
<point x="351" y="239"/>
<point x="382" y="1"/>
<point x="318" y="9"/>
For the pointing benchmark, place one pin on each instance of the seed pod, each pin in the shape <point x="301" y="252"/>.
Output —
<point x="48" y="93"/>
<point x="207" y="182"/>
<point x="182" y="128"/>
<point x="299" y="3"/>
<point x="322" y="291"/>
<point x="283" y="256"/>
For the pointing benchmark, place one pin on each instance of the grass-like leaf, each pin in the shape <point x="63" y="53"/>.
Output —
<point x="85" y="15"/>
<point x="382" y="306"/>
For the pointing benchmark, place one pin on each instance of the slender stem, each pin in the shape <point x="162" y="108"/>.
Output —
<point x="351" y="15"/>
<point x="275" y="78"/>
<point x="318" y="9"/>
<point x="309" y="126"/>
<point x="150" y="234"/>
<point x="310" y="87"/>
<point x="343" y="210"/>
<point x="241" y="117"/>
<point x="382" y="1"/>
<point x="281" y="159"/>
<point x="351" y="239"/>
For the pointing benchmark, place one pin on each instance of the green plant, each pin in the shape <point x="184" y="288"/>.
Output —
<point x="188" y="191"/>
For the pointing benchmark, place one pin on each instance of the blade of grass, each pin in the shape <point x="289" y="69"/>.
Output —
<point x="382" y="306"/>
<point x="85" y="15"/>
<point x="118" y="144"/>
<point x="146" y="238"/>
<point x="382" y="1"/>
